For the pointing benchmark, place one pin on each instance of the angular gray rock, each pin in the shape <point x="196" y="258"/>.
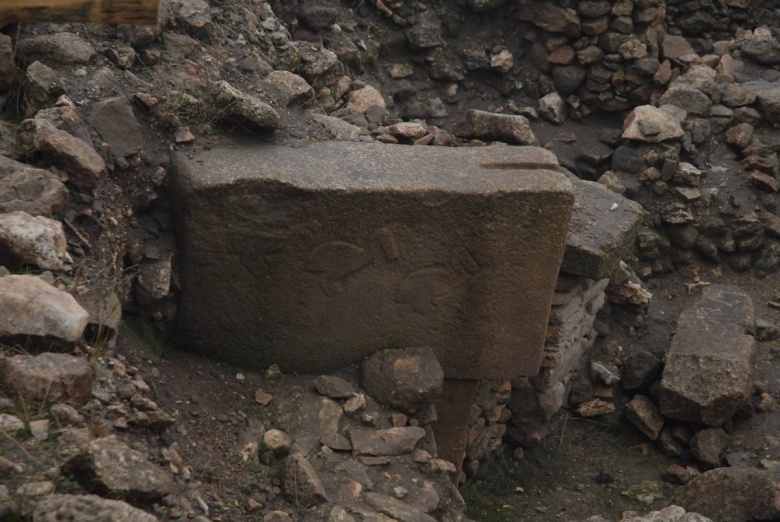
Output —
<point x="35" y="191"/>
<point x="48" y="378"/>
<point x="708" y="446"/>
<point x="42" y="85"/>
<point x="764" y="50"/>
<point x="710" y="366"/>
<point x="236" y="106"/>
<point x="83" y="508"/>
<point x="60" y="47"/>
<point x="405" y="379"/>
<point x="29" y="240"/>
<point x="396" y="509"/>
<point x="553" y="108"/>
<point x="388" y="442"/>
<point x="731" y="494"/>
<point x="300" y="482"/>
<point x="508" y="128"/>
<point x="333" y="387"/>
<point x="603" y="227"/>
<point x="31" y="307"/>
<point x="84" y="166"/>
<point x="688" y="97"/>
<point x="287" y="88"/>
<point x="640" y="370"/>
<point x="643" y="414"/>
<point x="114" y="120"/>
<point x="550" y="17"/>
<point x="114" y="468"/>
<point x="651" y="125"/>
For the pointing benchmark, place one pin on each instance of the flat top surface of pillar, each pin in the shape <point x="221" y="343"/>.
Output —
<point x="362" y="166"/>
<point x="313" y="258"/>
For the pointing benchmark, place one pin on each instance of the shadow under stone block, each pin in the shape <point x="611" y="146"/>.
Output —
<point x="313" y="258"/>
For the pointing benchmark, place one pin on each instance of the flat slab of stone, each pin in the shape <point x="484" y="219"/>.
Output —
<point x="710" y="366"/>
<point x="313" y="258"/>
<point x="604" y="225"/>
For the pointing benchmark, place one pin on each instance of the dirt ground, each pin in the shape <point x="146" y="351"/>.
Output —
<point x="581" y="470"/>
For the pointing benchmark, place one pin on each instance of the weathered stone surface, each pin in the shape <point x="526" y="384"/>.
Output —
<point x="114" y="120"/>
<point x="333" y="387"/>
<point x="31" y="307"/>
<point x="603" y="226"/>
<point x="388" y="442"/>
<point x="378" y="263"/>
<point x="708" y="446"/>
<point x="115" y="469"/>
<point x="652" y="125"/>
<point x="277" y="441"/>
<point x="643" y="414"/>
<point x="338" y="128"/>
<point x="406" y="379"/>
<point x="509" y="128"/>
<point x="396" y="509"/>
<point x="710" y="366"/>
<point x="75" y="156"/>
<point x="688" y="97"/>
<point x="667" y="514"/>
<point x="41" y="86"/>
<point x="49" y="378"/>
<point x="550" y="17"/>
<point x="28" y="240"/>
<point x="287" y="88"/>
<point x="83" y="508"/>
<point x="768" y="94"/>
<point x="35" y="191"/>
<point x="764" y="50"/>
<point x="60" y="47"/>
<point x="300" y="482"/>
<point x="193" y="13"/>
<point x="552" y="107"/>
<point x="729" y="494"/>
<point x="234" y="105"/>
<point x="640" y="370"/>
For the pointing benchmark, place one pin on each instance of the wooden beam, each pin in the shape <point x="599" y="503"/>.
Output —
<point x="139" y="12"/>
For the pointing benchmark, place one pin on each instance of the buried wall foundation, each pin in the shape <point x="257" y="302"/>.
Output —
<point x="314" y="258"/>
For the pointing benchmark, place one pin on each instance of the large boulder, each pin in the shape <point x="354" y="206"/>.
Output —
<point x="731" y="494"/>
<point x="710" y="366"/>
<point x="59" y="47"/>
<point x="31" y="307"/>
<point x="351" y="247"/>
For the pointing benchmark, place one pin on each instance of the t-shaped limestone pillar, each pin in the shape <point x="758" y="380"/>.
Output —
<point x="312" y="258"/>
